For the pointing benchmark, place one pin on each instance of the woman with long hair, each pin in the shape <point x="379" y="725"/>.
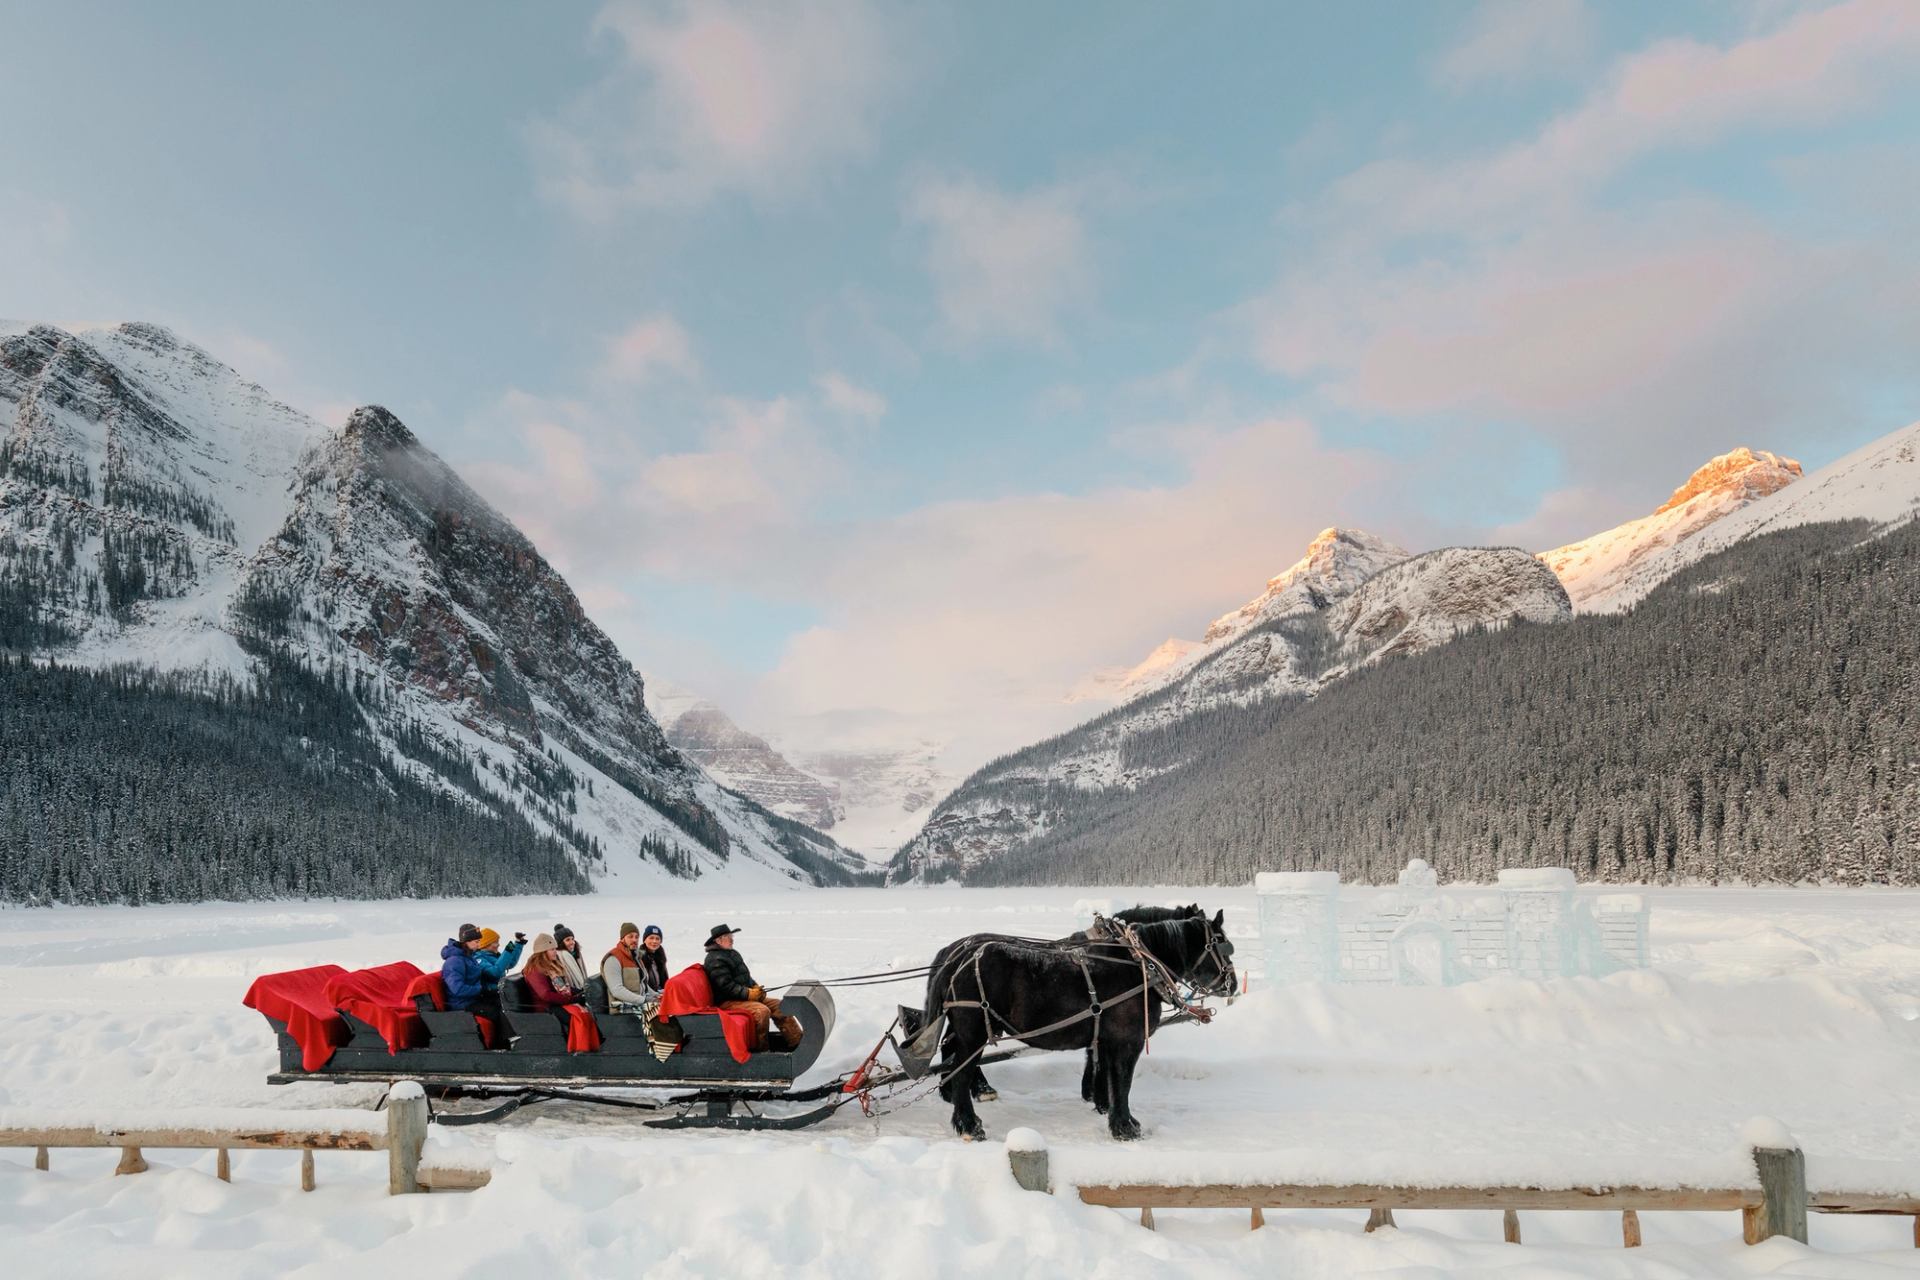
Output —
<point x="546" y="977"/>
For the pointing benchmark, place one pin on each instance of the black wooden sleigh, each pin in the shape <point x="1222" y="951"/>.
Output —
<point x="388" y="1024"/>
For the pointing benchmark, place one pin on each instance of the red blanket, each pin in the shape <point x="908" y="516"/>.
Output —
<point x="583" y="1033"/>
<point x="379" y="996"/>
<point x="299" y="999"/>
<point x="434" y="987"/>
<point x="688" y="992"/>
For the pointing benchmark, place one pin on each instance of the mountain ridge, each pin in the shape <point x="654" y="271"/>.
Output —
<point x="157" y="510"/>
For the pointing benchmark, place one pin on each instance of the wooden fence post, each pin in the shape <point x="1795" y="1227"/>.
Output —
<point x="1782" y="1210"/>
<point x="1379" y="1218"/>
<point x="1630" y="1228"/>
<point x="223" y="1166"/>
<point x="407" y="1136"/>
<point x="1510" y="1226"/>
<point x="306" y="1168"/>
<point x="131" y="1161"/>
<point x="40" y="1159"/>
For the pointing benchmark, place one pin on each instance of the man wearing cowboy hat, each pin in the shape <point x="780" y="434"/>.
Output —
<point x="735" y="991"/>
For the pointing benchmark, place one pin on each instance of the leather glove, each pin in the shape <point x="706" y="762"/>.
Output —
<point x="756" y="993"/>
<point x="520" y="938"/>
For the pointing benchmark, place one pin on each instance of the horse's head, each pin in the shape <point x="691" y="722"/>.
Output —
<point x="1212" y="972"/>
<point x="1195" y="950"/>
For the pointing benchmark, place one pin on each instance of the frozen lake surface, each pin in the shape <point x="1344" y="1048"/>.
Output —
<point x="1801" y="1005"/>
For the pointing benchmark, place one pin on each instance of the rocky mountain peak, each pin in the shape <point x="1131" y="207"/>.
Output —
<point x="1613" y="568"/>
<point x="1746" y="472"/>
<point x="376" y="427"/>
<point x="1336" y="562"/>
<point x="1425" y="601"/>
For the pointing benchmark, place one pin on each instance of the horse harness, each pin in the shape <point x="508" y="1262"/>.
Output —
<point x="1155" y="978"/>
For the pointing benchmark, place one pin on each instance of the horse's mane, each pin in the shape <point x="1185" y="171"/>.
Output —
<point x="1157" y="915"/>
<point x="1172" y="940"/>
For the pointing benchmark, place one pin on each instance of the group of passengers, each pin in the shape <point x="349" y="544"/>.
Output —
<point x="634" y="972"/>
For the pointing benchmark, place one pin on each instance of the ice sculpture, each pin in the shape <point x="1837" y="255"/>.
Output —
<point x="1534" y="926"/>
<point x="1298" y="924"/>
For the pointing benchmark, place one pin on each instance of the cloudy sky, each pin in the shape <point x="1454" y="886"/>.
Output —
<point x="890" y="367"/>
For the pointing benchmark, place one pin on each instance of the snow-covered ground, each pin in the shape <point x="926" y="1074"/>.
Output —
<point x="1803" y="1005"/>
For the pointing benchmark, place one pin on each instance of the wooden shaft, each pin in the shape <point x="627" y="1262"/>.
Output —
<point x="1630" y="1228"/>
<point x="1510" y="1226"/>
<point x="306" y="1168"/>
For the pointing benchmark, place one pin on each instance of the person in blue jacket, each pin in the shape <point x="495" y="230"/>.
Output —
<point x="472" y="965"/>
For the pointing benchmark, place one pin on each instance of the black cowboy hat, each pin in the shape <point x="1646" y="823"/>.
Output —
<point x="720" y="931"/>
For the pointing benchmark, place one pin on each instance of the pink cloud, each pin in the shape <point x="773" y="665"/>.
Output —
<point x="649" y="346"/>
<point x="1674" y="94"/>
<point x="1516" y="40"/>
<point x="1004" y="265"/>
<point x="843" y="395"/>
<point x="727" y="95"/>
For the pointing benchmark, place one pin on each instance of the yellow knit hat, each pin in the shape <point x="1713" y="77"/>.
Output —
<point x="487" y="938"/>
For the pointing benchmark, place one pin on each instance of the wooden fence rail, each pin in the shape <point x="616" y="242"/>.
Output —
<point x="402" y="1134"/>
<point x="1777" y="1206"/>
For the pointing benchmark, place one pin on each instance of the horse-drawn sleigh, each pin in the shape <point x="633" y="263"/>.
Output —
<point x="1103" y="991"/>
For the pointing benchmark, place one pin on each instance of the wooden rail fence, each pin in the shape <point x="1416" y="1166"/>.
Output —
<point x="400" y="1131"/>
<point x="1778" y="1206"/>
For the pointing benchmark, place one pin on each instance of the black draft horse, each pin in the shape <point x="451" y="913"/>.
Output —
<point x="1043" y="994"/>
<point x="1092" y="1084"/>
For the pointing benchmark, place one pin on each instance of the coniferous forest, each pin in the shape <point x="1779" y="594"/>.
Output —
<point x="1755" y="719"/>
<point x="129" y="786"/>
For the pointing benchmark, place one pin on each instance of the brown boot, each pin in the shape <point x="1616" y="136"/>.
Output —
<point x="791" y="1032"/>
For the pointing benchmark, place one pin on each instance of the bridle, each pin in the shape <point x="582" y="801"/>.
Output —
<point x="1220" y="948"/>
<point x="1178" y="990"/>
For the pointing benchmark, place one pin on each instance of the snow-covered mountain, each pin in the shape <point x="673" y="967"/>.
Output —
<point x="1610" y="570"/>
<point x="871" y="787"/>
<point x="750" y="765"/>
<point x="158" y="510"/>
<point x="1426" y="601"/>
<point x="1879" y="482"/>
<point x="1734" y="497"/>
<point x="887" y="789"/>
<point x="1336" y="561"/>
<point x="1353" y="599"/>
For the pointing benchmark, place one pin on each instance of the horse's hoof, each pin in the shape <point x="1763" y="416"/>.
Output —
<point x="1100" y="1108"/>
<point x="987" y="1095"/>
<point x="976" y="1132"/>
<point x="1127" y="1132"/>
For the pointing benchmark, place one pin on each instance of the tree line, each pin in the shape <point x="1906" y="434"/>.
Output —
<point x="136" y="787"/>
